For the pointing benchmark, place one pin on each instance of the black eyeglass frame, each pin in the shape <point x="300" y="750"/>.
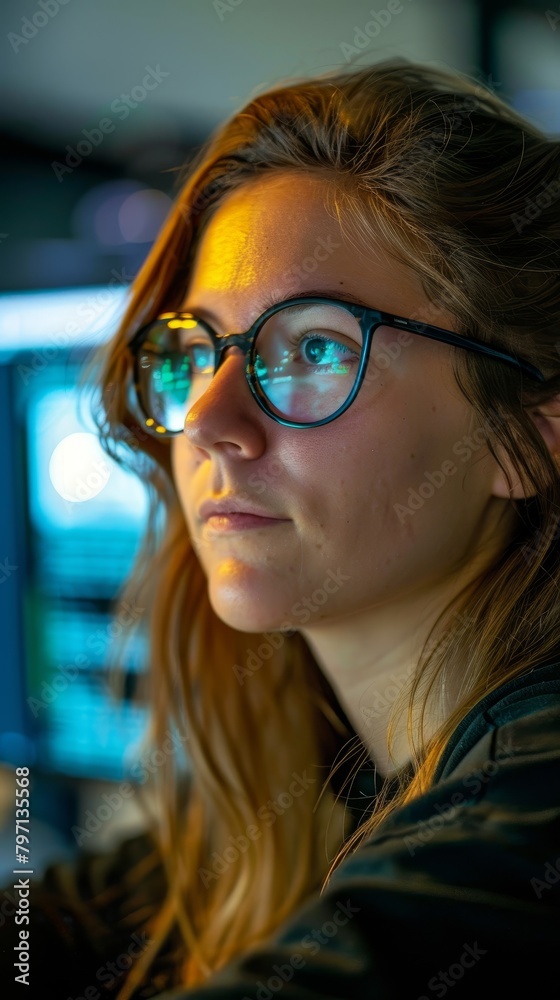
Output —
<point x="369" y="320"/>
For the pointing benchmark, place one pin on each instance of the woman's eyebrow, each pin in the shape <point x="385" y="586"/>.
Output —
<point x="337" y="293"/>
<point x="266" y="303"/>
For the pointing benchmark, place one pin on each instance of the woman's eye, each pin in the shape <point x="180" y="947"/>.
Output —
<point x="317" y="350"/>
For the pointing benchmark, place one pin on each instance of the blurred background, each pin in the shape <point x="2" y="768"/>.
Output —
<point x="102" y="103"/>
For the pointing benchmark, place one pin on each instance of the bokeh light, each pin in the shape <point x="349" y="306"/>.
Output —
<point x="79" y="468"/>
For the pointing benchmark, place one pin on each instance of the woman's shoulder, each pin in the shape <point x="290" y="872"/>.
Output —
<point x="467" y="874"/>
<point x="104" y="877"/>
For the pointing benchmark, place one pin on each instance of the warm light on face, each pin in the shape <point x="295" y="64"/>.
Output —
<point x="335" y="487"/>
<point x="233" y="258"/>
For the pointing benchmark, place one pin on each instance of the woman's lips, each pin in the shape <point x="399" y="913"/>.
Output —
<point x="240" y="522"/>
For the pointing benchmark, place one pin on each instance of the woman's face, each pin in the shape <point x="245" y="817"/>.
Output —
<point x="388" y="499"/>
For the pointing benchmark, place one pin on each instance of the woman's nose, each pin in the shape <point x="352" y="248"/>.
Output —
<point x="226" y="413"/>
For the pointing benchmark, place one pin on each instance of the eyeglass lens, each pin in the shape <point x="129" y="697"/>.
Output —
<point x="306" y="362"/>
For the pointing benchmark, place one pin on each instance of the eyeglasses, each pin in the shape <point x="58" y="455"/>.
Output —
<point x="305" y="360"/>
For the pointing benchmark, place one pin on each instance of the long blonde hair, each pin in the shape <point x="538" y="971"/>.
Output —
<point x="468" y="196"/>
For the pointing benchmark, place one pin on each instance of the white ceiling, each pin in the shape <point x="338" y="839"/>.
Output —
<point x="218" y="54"/>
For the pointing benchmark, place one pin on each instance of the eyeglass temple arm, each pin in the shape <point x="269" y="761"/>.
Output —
<point x="447" y="337"/>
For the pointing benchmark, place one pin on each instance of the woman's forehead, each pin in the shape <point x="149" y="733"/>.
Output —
<point x="255" y="248"/>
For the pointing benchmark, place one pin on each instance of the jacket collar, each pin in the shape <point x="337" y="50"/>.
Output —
<point x="528" y="692"/>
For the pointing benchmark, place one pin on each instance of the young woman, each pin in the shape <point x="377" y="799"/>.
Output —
<point x="339" y="369"/>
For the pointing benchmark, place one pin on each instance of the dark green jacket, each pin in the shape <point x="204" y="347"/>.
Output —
<point x="457" y="894"/>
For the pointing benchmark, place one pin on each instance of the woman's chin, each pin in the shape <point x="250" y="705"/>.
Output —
<point x="247" y="607"/>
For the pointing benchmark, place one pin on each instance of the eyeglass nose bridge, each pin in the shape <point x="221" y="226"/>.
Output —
<point x="224" y="340"/>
